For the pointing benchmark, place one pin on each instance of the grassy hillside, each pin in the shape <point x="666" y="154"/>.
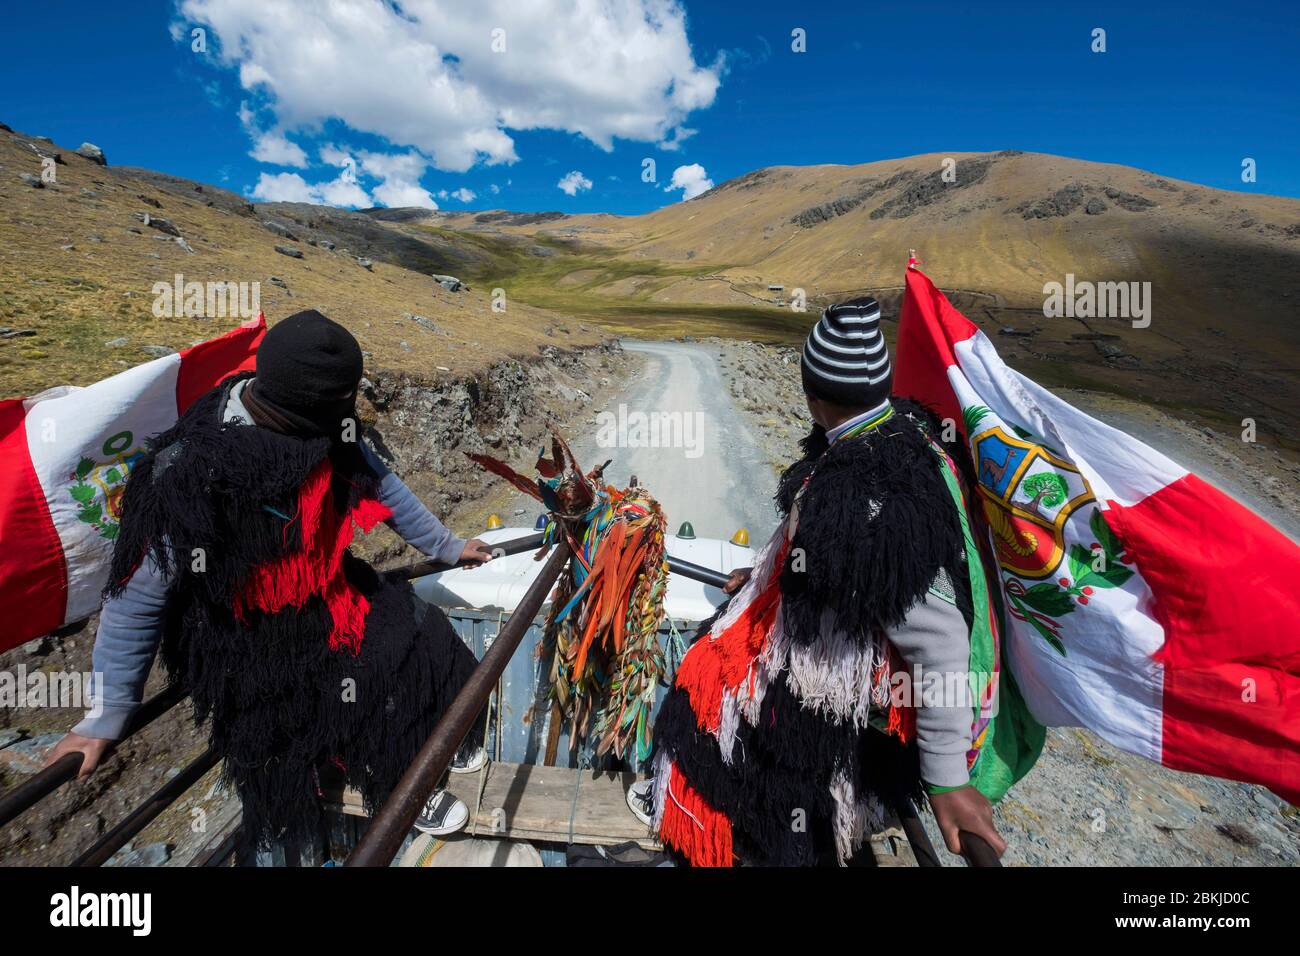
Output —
<point x="1224" y="338"/>
<point x="78" y="266"/>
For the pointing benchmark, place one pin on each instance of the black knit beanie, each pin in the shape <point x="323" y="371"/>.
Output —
<point x="845" y="360"/>
<point x="308" y="369"/>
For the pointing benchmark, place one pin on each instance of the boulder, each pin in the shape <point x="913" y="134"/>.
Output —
<point x="30" y="180"/>
<point x="450" y="283"/>
<point x="289" y="251"/>
<point x="93" y="153"/>
<point x="279" y="228"/>
<point x="156" y="222"/>
<point x="365" y="263"/>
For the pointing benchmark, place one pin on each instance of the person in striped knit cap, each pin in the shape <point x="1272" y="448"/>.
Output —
<point x="788" y="732"/>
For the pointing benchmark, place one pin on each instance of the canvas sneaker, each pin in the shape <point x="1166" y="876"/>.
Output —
<point x="442" y="814"/>
<point x="469" y="763"/>
<point x="640" y="800"/>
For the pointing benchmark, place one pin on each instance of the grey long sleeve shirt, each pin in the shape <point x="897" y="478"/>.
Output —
<point x="130" y="625"/>
<point x="934" y="639"/>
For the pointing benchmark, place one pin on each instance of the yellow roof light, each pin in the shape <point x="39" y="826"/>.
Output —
<point x="493" y="522"/>
<point x="741" y="537"/>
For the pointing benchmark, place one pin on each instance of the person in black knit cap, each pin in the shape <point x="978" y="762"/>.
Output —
<point x="233" y="556"/>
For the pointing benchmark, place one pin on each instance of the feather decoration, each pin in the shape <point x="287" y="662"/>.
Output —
<point x="603" y="626"/>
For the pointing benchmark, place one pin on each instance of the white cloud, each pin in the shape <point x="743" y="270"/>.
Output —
<point x="674" y="140"/>
<point x="393" y="193"/>
<point x="399" y="174"/>
<point x="291" y="187"/>
<point x="273" y="147"/>
<point x="495" y="188"/>
<point x="692" y="180"/>
<point x="424" y="74"/>
<point x="574" y="183"/>
<point x="270" y="146"/>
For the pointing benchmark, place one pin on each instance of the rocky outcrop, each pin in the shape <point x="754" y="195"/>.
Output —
<point x="932" y="188"/>
<point x="92" y="152"/>
<point x="815" y="215"/>
<point x="426" y="426"/>
<point x="1061" y="203"/>
<point x="1066" y="200"/>
<point x="450" y="283"/>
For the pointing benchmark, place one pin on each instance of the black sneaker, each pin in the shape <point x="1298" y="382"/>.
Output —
<point x="469" y="763"/>
<point x="640" y="800"/>
<point x="442" y="814"/>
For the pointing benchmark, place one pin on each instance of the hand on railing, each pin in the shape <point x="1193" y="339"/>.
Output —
<point x="92" y="750"/>
<point x="965" y="810"/>
<point x="736" y="580"/>
<point x="476" y="552"/>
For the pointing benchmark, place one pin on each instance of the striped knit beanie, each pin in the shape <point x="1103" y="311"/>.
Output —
<point x="845" y="360"/>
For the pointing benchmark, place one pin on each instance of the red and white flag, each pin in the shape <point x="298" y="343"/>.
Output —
<point x="65" y="456"/>
<point x="1142" y="603"/>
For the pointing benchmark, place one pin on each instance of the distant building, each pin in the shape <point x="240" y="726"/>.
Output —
<point x="776" y="288"/>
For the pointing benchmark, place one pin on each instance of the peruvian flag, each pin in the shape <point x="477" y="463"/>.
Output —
<point x="1142" y="603"/>
<point x="65" y="456"/>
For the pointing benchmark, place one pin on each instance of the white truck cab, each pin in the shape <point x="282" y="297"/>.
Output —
<point x="502" y="582"/>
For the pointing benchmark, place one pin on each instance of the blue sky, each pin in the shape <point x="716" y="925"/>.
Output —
<point x="371" y="102"/>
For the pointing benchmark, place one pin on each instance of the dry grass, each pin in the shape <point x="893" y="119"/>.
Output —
<point x="1224" y="340"/>
<point x="77" y="300"/>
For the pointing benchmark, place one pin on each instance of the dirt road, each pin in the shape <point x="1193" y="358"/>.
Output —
<point x="677" y="429"/>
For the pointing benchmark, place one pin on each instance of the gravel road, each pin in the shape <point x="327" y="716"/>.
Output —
<point x="707" y="465"/>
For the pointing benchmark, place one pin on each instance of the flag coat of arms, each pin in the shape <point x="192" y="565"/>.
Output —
<point x="65" y="457"/>
<point x="1140" y="602"/>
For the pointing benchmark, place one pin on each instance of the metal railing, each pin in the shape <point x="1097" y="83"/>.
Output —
<point x="27" y="794"/>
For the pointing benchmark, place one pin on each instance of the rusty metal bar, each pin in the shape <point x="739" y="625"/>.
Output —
<point x="697" y="572"/>
<point x="975" y="850"/>
<point x="390" y="825"/>
<point x="686" y="569"/>
<point x="502" y="548"/>
<point x="31" y="792"/>
<point x="147" y="812"/>
<point x="914" y="829"/>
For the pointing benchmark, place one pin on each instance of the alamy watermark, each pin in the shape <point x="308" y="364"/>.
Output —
<point x="1098" y="300"/>
<point x="206" y="300"/>
<point x="20" y="688"/>
<point x="655" y="429"/>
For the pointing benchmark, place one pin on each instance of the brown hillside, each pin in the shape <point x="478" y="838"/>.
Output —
<point x="78" y="266"/>
<point x="1224" y="340"/>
